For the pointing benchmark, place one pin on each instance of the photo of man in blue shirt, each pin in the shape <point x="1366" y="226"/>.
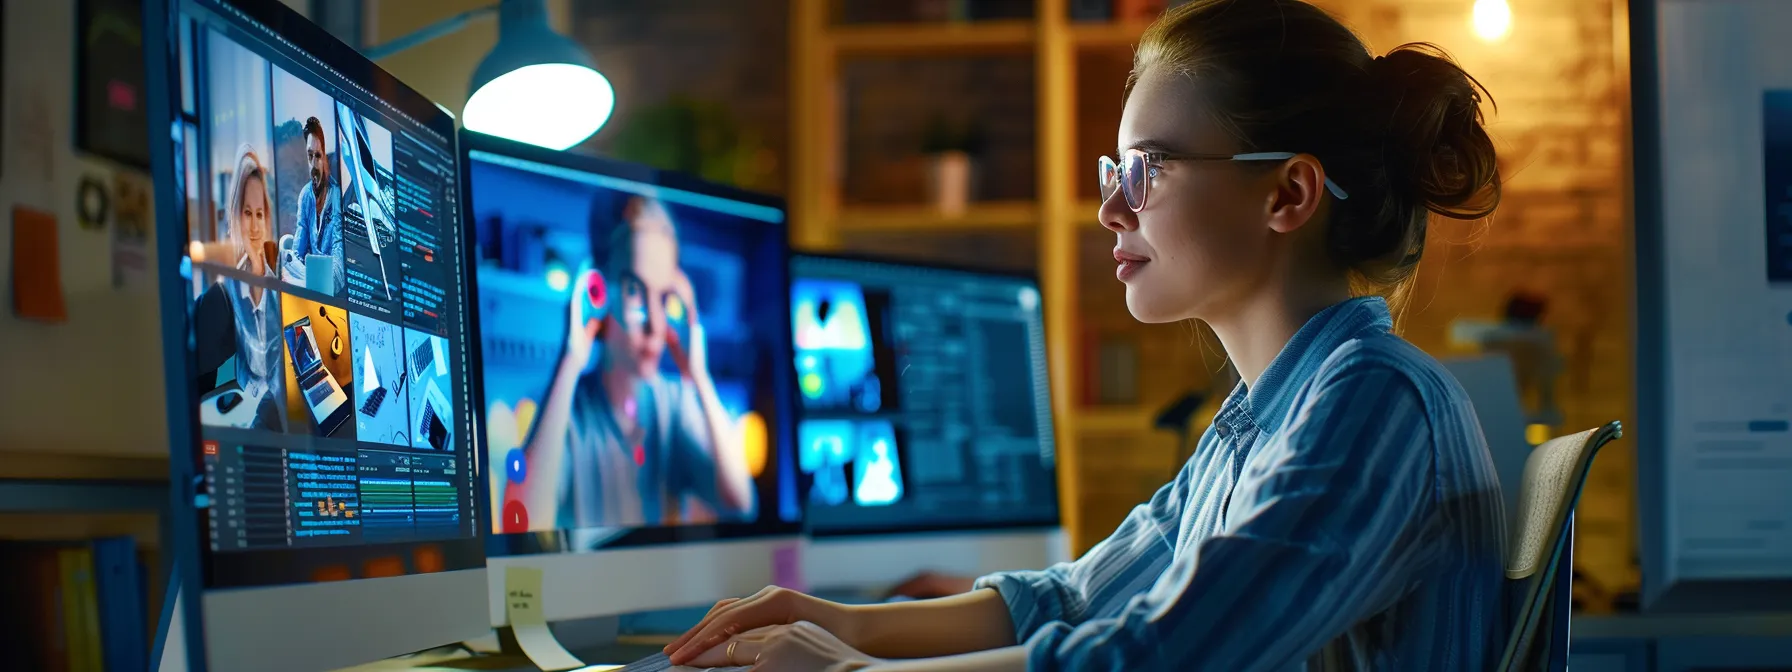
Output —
<point x="319" y="214"/>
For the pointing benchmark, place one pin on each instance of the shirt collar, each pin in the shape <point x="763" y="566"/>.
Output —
<point x="1267" y="403"/>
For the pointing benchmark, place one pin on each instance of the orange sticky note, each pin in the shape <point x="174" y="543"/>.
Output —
<point x="36" y="267"/>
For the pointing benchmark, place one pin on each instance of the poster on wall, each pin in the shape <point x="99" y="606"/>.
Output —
<point x="111" y="118"/>
<point x="1776" y="145"/>
<point x="130" y="231"/>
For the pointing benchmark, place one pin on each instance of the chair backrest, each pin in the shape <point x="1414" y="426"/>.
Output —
<point x="1554" y="476"/>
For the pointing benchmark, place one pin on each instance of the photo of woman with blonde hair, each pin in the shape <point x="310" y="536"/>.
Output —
<point x="248" y="246"/>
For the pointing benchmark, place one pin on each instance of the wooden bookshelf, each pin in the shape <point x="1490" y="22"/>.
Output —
<point x="930" y="39"/>
<point x="1106" y="35"/>
<point x="819" y="218"/>
<point x="977" y="217"/>
<point x="58" y="466"/>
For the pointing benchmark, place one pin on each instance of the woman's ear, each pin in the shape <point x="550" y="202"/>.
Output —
<point x="1300" y="188"/>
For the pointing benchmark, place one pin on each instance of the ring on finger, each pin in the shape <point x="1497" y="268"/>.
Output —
<point x="729" y="654"/>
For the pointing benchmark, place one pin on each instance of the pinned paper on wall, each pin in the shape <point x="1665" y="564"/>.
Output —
<point x="529" y="622"/>
<point x="130" y="230"/>
<point x="36" y="267"/>
<point x="34" y="134"/>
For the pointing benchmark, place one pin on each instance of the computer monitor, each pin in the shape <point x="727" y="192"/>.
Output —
<point x="925" y="425"/>
<point x="327" y="494"/>
<point x="635" y="379"/>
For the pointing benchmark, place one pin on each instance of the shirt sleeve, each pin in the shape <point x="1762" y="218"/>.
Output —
<point x="1325" y="528"/>
<point x="1124" y="563"/>
<point x="307" y="213"/>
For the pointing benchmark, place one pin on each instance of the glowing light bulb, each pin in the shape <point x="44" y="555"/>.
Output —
<point x="1492" y="19"/>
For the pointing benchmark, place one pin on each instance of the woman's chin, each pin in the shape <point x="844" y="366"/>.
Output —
<point x="1147" y="308"/>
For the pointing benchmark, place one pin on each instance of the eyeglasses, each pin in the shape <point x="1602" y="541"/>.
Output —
<point x="1132" y="175"/>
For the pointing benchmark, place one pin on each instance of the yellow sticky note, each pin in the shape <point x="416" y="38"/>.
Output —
<point x="36" y="267"/>
<point x="529" y="622"/>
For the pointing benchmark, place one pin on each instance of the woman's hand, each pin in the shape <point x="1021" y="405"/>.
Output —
<point x="692" y="358"/>
<point x="772" y="606"/>
<point x="582" y="328"/>
<point x="798" y="647"/>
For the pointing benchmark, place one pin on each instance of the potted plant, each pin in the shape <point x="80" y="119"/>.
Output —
<point x="951" y="150"/>
<point x="698" y="137"/>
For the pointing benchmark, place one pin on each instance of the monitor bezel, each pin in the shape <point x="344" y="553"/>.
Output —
<point x="500" y="545"/>
<point x="937" y="528"/>
<point x="250" y="613"/>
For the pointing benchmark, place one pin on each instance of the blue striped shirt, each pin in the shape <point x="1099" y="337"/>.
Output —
<point x="1343" y="513"/>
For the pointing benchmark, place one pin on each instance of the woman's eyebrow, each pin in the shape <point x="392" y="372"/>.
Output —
<point x="1147" y="146"/>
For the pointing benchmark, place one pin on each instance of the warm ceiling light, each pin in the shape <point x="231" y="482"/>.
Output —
<point x="1492" y="19"/>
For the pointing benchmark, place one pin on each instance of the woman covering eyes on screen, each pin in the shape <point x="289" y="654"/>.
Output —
<point x="624" y="445"/>
<point x="1274" y="180"/>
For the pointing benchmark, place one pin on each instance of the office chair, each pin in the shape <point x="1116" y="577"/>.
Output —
<point x="1542" y="555"/>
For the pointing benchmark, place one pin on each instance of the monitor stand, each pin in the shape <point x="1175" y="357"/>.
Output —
<point x="878" y="563"/>
<point x="170" y="652"/>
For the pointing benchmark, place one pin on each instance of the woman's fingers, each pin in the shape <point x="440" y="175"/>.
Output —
<point x="724" y="626"/>
<point x="762" y="609"/>
<point x="739" y="651"/>
<point x="680" y="641"/>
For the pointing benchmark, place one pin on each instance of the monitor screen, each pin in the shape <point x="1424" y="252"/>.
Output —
<point x="326" y="281"/>
<point x="635" y="365"/>
<point x="925" y="400"/>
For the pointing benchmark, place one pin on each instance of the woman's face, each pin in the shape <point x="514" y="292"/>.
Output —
<point x="253" y="220"/>
<point x="1202" y="234"/>
<point x="641" y="314"/>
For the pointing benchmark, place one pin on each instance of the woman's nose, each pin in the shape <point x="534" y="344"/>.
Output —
<point x="1115" y="215"/>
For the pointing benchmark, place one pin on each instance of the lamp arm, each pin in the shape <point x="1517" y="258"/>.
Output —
<point x="429" y="32"/>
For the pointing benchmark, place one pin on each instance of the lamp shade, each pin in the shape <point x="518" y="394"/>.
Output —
<point x="537" y="86"/>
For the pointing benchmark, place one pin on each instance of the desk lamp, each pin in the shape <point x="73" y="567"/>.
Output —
<point x="536" y="86"/>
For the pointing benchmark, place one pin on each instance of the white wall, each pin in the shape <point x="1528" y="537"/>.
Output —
<point x="94" y="384"/>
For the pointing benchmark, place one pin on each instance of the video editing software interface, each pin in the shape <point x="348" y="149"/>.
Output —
<point x="926" y="401"/>
<point x="326" y="315"/>
<point x="634" y="352"/>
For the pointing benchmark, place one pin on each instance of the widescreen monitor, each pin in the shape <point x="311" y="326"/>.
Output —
<point x="635" y="379"/>
<point x="925" y="424"/>
<point x="328" y="497"/>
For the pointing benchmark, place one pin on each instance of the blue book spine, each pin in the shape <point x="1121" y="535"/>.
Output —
<point x="123" y="625"/>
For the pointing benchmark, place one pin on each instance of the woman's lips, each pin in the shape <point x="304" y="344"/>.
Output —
<point x="1129" y="264"/>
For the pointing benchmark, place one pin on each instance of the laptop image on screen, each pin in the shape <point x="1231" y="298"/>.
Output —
<point x="433" y="425"/>
<point x="322" y="393"/>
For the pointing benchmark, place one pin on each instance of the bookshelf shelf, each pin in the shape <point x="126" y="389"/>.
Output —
<point x="931" y="39"/>
<point x="28" y="465"/>
<point x="72" y="496"/>
<point x="1114" y="419"/>
<point x="1106" y="35"/>
<point x="1006" y="215"/>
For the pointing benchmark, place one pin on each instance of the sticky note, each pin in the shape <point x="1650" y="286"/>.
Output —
<point x="528" y="621"/>
<point x="36" y="267"/>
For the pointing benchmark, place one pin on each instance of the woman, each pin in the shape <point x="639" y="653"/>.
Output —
<point x="247" y="238"/>
<point x="624" y="446"/>
<point x="1342" y="511"/>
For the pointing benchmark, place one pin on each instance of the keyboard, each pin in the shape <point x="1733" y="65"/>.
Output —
<point x="421" y="357"/>
<point x="371" y="406"/>
<point x="317" y="395"/>
<point x="660" y="663"/>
